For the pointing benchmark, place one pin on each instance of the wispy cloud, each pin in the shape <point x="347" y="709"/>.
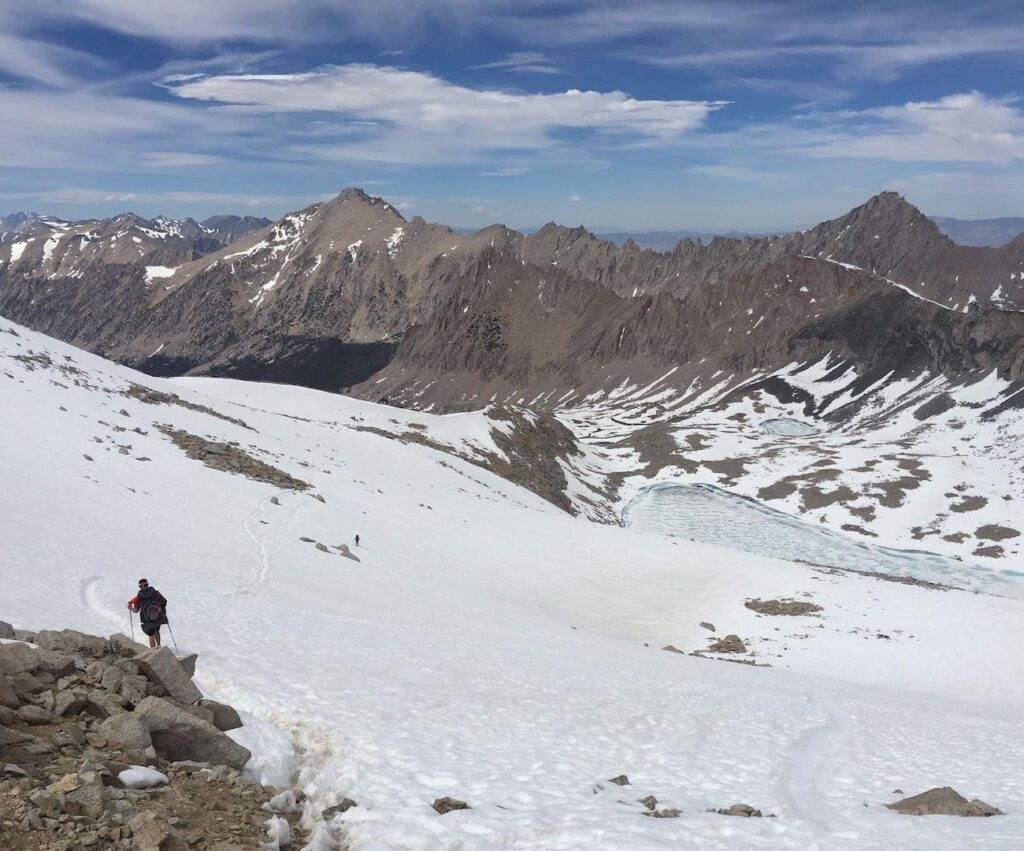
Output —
<point x="178" y="159"/>
<point x="524" y="62"/>
<point x="393" y="115"/>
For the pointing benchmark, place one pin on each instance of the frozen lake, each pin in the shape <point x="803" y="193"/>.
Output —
<point x="785" y="427"/>
<point x="711" y="515"/>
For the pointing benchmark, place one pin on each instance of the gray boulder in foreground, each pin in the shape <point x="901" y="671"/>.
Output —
<point x="943" y="800"/>
<point x="224" y="717"/>
<point x="177" y="735"/>
<point x="161" y="666"/>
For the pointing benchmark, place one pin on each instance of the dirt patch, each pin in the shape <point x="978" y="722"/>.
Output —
<point x="991" y="551"/>
<point x="992" y="532"/>
<point x="934" y="407"/>
<point x="778" y="490"/>
<point x="728" y="469"/>
<point x="785" y="606"/>
<point x="229" y="458"/>
<point x="970" y="503"/>
<point x="860" y="530"/>
<point x="866" y="513"/>
<point x="813" y="497"/>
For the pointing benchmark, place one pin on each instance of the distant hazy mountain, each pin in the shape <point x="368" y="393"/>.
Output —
<point x="985" y="232"/>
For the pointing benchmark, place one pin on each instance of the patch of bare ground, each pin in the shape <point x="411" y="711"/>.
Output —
<point x="229" y="458"/>
<point x="785" y="606"/>
<point x="969" y="504"/>
<point x="860" y="530"/>
<point x="728" y="470"/>
<point x="778" y="490"/>
<point x="993" y="532"/>
<point x="813" y="497"/>
<point x="991" y="551"/>
<point x="866" y="512"/>
<point x="884" y="577"/>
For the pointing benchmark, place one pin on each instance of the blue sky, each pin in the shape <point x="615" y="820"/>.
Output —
<point x="630" y="115"/>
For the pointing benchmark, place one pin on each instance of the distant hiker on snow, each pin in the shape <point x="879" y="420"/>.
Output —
<point x="357" y="540"/>
<point x="152" y="608"/>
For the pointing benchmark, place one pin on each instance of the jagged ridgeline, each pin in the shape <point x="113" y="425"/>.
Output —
<point x="348" y="294"/>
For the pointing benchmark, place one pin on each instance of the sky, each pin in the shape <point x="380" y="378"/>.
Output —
<point x="638" y="115"/>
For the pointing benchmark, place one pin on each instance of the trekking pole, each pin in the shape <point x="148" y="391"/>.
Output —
<point x="131" y="623"/>
<point x="175" y="643"/>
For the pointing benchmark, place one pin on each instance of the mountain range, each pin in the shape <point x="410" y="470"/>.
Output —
<point x="874" y="332"/>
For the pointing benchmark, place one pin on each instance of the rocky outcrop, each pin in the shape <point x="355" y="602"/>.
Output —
<point x="943" y="800"/>
<point x="70" y="736"/>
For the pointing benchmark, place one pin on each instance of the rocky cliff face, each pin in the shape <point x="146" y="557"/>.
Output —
<point x="341" y="291"/>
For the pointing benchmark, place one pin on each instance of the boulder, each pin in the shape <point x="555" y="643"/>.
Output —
<point x="34" y="714"/>
<point x="133" y="688"/>
<point x="342" y="806"/>
<point x="26" y="685"/>
<point x="446" y="805"/>
<point x="6" y="630"/>
<point x="69" y="702"/>
<point x="152" y="833"/>
<point x="667" y="812"/>
<point x="16" y="658"/>
<point x="621" y="780"/>
<point x="189" y="663"/>
<point x="8" y="696"/>
<point x="179" y="736"/>
<point x="729" y="644"/>
<point x="197" y="710"/>
<point x="111" y="679"/>
<point x="25" y="635"/>
<point x="162" y="668"/>
<point x="224" y="717"/>
<point x="943" y="800"/>
<point x="742" y="810"/>
<point x="126" y="731"/>
<point x="122" y="645"/>
<point x="73" y="643"/>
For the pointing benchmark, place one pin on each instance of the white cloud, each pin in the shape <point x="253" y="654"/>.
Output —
<point x="392" y="115"/>
<point x="525" y="62"/>
<point x="178" y="159"/>
<point x="575" y="199"/>
<point x="968" y="127"/>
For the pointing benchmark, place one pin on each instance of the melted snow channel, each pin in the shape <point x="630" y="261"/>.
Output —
<point x="710" y="515"/>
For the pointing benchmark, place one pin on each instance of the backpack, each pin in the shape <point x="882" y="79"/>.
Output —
<point x="150" y="605"/>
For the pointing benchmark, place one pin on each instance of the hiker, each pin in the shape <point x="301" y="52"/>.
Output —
<point x="152" y="608"/>
<point x="357" y="540"/>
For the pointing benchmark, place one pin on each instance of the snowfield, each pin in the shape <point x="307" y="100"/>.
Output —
<point x="480" y="643"/>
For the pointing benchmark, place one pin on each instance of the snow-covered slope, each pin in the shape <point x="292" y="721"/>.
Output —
<point x="483" y="644"/>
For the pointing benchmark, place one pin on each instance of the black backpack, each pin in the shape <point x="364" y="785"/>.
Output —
<point x="150" y="605"/>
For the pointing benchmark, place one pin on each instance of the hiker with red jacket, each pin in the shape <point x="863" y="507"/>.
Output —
<point x="152" y="608"/>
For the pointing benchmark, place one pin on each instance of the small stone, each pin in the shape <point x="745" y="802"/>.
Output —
<point x="672" y="648"/>
<point x="322" y="547"/>
<point x="621" y="780"/>
<point x="667" y="812"/>
<point x="95" y="740"/>
<point x="446" y="805"/>
<point x="342" y="806"/>
<point x="650" y="802"/>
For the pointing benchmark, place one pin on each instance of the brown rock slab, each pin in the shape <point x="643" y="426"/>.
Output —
<point x="72" y="642"/>
<point x="152" y="833"/>
<point x="224" y="717"/>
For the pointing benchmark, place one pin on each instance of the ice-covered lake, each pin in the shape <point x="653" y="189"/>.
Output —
<point x="785" y="427"/>
<point x="711" y="515"/>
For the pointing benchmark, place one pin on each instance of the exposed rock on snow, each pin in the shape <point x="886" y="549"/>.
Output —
<point x="446" y="805"/>
<point x="729" y="644"/>
<point x="943" y="800"/>
<point x="231" y="459"/>
<point x="742" y="810"/>
<point x="782" y="607"/>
